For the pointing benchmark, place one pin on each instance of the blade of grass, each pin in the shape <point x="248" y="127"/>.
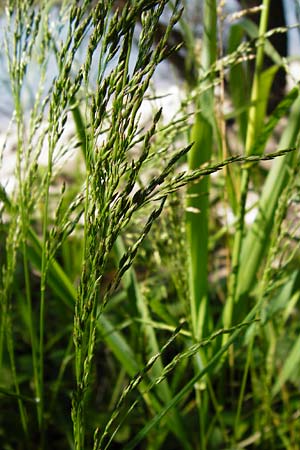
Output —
<point x="197" y="195"/>
<point x="238" y="81"/>
<point x="197" y="210"/>
<point x="257" y="238"/>
<point x="253" y="122"/>
<point x="290" y="365"/>
<point x="253" y="32"/>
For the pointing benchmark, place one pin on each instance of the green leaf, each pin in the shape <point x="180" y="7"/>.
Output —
<point x="290" y="366"/>
<point x="281" y="110"/>
<point x="265" y="80"/>
<point x="257" y="239"/>
<point x="238" y="82"/>
<point x="252" y="30"/>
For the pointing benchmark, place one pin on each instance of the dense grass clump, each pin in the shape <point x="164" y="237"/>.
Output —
<point x="140" y="307"/>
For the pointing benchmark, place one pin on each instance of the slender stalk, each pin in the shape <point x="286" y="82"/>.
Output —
<point x="44" y="269"/>
<point x="24" y="232"/>
<point x="197" y="196"/>
<point x="197" y="211"/>
<point x="16" y="93"/>
<point x="250" y="140"/>
<point x="243" y="387"/>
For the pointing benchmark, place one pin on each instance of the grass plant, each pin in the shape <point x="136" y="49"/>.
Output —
<point x="134" y="314"/>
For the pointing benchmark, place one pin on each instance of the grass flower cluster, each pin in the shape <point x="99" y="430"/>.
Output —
<point x="133" y="314"/>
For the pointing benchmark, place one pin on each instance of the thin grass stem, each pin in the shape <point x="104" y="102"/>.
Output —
<point x="250" y="139"/>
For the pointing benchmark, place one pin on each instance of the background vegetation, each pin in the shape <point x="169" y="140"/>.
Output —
<point x="150" y="271"/>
